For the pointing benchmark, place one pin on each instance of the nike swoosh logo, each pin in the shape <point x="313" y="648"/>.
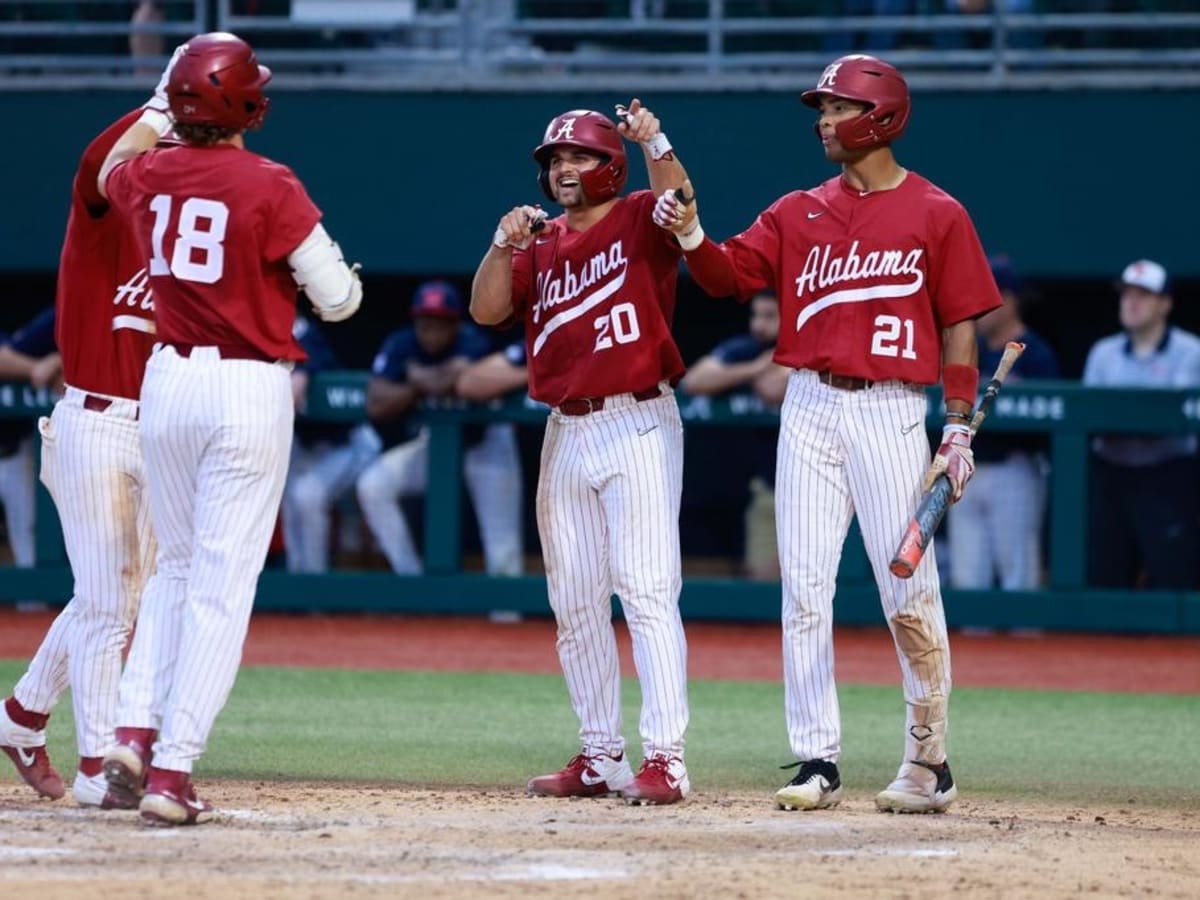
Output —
<point x="816" y="215"/>
<point x="590" y="778"/>
<point x="642" y="432"/>
<point x="27" y="758"/>
<point x="909" y="428"/>
<point x="541" y="241"/>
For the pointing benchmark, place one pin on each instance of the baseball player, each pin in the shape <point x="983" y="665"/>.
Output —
<point x="327" y="458"/>
<point x="92" y="466"/>
<point x="28" y="355"/>
<point x="595" y="288"/>
<point x="880" y="276"/>
<point x="228" y="236"/>
<point x="495" y="375"/>
<point x="422" y="363"/>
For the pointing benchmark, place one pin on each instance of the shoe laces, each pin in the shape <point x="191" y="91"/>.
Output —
<point x="658" y="762"/>
<point x="810" y="768"/>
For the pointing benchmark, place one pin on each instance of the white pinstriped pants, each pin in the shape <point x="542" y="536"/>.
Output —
<point x="842" y="452"/>
<point x="19" y="498"/>
<point x="92" y="467"/>
<point x="216" y="435"/>
<point x="608" y="515"/>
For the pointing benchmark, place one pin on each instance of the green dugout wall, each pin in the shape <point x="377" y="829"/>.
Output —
<point x="1068" y="412"/>
<point x="1071" y="183"/>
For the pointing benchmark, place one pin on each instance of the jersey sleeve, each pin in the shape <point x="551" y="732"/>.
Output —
<point x="391" y="362"/>
<point x="119" y="186"/>
<point x="755" y="251"/>
<point x="293" y="216"/>
<point x="737" y="349"/>
<point x="37" y="337"/>
<point x="93" y="158"/>
<point x="473" y="343"/>
<point x="960" y="279"/>
<point x="1091" y="369"/>
<point x="515" y="353"/>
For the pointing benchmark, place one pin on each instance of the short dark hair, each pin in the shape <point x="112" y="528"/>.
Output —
<point x="203" y="135"/>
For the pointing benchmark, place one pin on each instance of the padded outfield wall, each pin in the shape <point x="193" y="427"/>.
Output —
<point x="1070" y="183"/>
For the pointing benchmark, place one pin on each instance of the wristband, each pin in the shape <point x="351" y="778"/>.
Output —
<point x="159" y="121"/>
<point x="691" y="239"/>
<point x="951" y="414"/>
<point x="960" y="382"/>
<point x="658" y="146"/>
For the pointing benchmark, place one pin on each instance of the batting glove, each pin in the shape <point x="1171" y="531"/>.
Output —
<point x="953" y="459"/>
<point x="676" y="211"/>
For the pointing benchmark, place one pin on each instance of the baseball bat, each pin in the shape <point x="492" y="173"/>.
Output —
<point x="936" y="500"/>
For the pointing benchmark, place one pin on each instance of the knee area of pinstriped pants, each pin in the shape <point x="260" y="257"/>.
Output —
<point x="922" y="642"/>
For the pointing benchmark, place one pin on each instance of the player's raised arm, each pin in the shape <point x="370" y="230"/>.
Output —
<point x="637" y="123"/>
<point x="491" y="289"/>
<point x="153" y="124"/>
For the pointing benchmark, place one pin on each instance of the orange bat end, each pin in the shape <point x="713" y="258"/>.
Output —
<point x="908" y="554"/>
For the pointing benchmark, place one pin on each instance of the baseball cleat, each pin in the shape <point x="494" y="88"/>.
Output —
<point x="171" y="800"/>
<point x="26" y="747"/>
<point x="918" y="788"/>
<point x="816" y="786"/>
<point x="93" y="791"/>
<point x="126" y="763"/>
<point x="662" y="779"/>
<point x="586" y="775"/>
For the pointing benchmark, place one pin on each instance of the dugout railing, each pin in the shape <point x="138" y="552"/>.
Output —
<point x="679" y="45"/>
<point x="1067" y="412"/>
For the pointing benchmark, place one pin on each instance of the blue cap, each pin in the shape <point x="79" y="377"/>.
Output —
<point x="1006" y="276"/>
<point x="437" y="298"/>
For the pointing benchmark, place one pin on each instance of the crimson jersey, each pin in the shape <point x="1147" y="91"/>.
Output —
<point x="217" y="225"/>
<point x="597" y="305"/>
<point x="104" y="319"/>
<point x="866" y="280"/>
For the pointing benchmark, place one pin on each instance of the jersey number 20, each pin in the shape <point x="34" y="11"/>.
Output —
<point x="199" y="253"/>
<point x="619" y="324"/>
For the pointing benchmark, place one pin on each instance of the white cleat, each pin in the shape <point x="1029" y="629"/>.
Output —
<point x="817" y="786"/>
<point x="918" y="788"/>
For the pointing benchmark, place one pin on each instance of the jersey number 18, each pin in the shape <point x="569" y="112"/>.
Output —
<point x="199" y="252"/>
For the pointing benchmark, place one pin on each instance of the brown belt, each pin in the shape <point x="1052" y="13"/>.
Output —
<point x="101" y="404"/>
<point x="226" y="352"/>
<point x="582" y="406"/>
<point x="845" y="382"/>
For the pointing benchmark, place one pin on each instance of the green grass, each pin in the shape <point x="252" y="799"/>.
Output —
<point x="450" y="729"/>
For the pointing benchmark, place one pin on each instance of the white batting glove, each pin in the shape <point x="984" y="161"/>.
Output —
<point x="676" y="211"/>
<point x="158" y="100"/>
<point x="954" y="459"/>
<point x="637" y="123"/>
<point x="518" y="226"/>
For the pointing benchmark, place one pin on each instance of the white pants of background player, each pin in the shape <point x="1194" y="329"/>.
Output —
<point x="92" y="467"/>
<point x="840" y="453"/>
<point x="995" y="530"/>
<point x="215" y="435"/>
<point x="18" y="495"/>
<point x="318" y="477"/>
<point x="608" y="516"/>
<point x="493" y="474"/>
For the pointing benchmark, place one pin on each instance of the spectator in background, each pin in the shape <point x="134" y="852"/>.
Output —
<point x="28" y="355"/>
<point x="995" y="530"/>
<point x="741" y="362"/>
<point x="146" y="46"/>
<point x="1144" y="504"/>
<point x="327" y="458"/>
<point x="875" y="40"/>
<point x="496" y="375"/>
<point x="423" y="363"/>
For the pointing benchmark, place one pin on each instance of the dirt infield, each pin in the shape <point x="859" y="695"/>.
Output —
<point x="304" y="841"/>
<point x="296" y="840"/>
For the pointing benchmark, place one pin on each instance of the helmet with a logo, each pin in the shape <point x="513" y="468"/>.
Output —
<point x="588" y="130"/>
<point x="868" y="80"/>
<point x="218" y="81"/>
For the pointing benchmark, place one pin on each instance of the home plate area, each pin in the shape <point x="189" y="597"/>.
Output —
<point x="309" y="840"/>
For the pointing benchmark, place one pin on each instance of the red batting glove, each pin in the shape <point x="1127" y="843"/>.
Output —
<point x="953" y="459"/>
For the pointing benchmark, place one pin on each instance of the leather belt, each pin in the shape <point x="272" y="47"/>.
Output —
<point x="583" y="406"/>
<point x="101" y="404"/>
<point x="845" y="382"/>
<point x="225" y="351"/>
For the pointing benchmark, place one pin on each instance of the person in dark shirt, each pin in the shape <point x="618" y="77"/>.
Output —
<point x="744" y="362"/>
<point x="418" y="364"/>
<point x="327" y="458"/>
<point x="29" y="355"/>
<point x="994" y="532"/>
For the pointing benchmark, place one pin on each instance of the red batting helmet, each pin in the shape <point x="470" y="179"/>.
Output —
<point x="864" y="79"/>
<point x="592" y="131"/>
<point x="218" y="81"/>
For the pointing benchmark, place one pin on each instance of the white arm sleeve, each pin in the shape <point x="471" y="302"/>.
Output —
<point x="319" y="269"/>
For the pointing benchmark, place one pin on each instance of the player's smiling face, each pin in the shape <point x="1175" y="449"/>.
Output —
<point x="566" y="165"/>
<point x="834" y="110"/>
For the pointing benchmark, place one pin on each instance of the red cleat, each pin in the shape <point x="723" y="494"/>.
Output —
<point x="596" y="775"/>
<point x="171" y="800"/>
<point x="26" y="747"/>
<point x="662" y="779"/>
<point x="126" y="764"/>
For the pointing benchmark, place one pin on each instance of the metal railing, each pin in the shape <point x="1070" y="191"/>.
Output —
<point x="519" y="46"/>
